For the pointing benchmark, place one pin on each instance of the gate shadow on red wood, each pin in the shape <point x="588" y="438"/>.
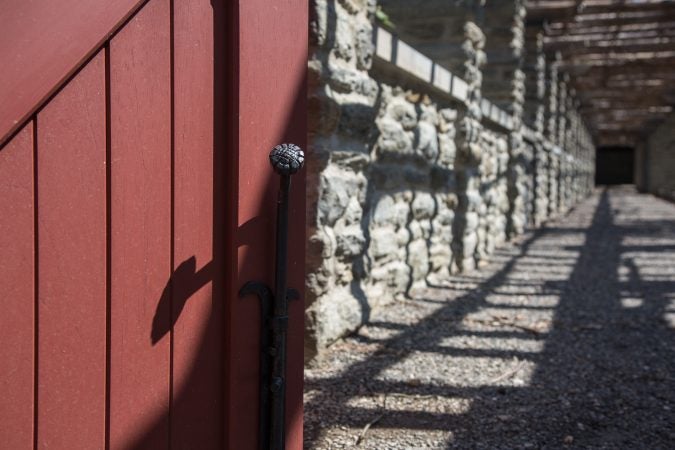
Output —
<point x="199" y="387"/>
<point x="253" y="242"/>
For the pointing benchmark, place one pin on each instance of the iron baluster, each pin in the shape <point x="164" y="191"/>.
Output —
<point x="286" y="159"/>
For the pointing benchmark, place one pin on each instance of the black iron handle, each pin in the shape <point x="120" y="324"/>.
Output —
<point x="286" y="159"/>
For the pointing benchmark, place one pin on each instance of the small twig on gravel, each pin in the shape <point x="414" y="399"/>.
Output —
<point x="367" y="427"/>
<point x="508" y="374"/>
<point x="372" y="422"/>
<point x="507" y="323"/>
<point x="415" y="396"/>
<point x="529" y="329"/>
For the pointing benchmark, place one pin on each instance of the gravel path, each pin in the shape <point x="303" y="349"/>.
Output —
<point x="565" y="340"/>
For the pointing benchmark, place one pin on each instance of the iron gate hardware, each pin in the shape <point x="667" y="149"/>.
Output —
<point x="286" y="159"/>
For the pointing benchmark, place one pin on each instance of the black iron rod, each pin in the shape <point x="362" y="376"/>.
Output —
<point x="286" y="159"/>
<point x="280" y="320"/>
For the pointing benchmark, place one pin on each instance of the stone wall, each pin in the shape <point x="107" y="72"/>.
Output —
<point x="342" y="106"/>
<point x="412" y="174"/>
<point x="659" y="159"/>
<point x="640" y="167"/>
<point x="468" y="228"/>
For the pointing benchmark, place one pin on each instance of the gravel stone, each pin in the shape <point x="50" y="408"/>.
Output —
<point x="563" y="340"/>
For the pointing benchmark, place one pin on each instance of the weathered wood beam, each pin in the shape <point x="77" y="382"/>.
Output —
<point x="622" y="28"/>
<point x="629" y="122"/>
<point x="648" y="84"/>
<point x="611" y="43"/>
<point x="649" y="108"/>
<point x="564" y="41"/>
<point x="619" y="59"/>
<point x="627" y="139"/>
<point x="594" y="6"/>
<point x="608" y="94"/>
<point x="615" y="132"/>
<point x="618" y="6"/>
<point x="604" y="116"/>
<point x="545" y="5"/>
<point x="620" y="78"/>
<point x="607" y="20"/>
<point x="634" y="71"/>
<point x="629" y="110"/>
<point x="601" y="47"/>
<point x="654" y="108"/>
<point x="628" y="102"/>
<point x="623" y="127"/>
<point x="613" y="13"/>
<point x="538" y="11"/>
<point x="619" y="126"/>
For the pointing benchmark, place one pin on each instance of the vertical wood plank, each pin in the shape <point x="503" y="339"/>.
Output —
<point x="72" y="263"/>
<point x="43" y="43"/>
<point x="140" y="130"/>
<point x="17" y="292"/>
<point x="196" y="418"/>
<point x="271" y="110"/>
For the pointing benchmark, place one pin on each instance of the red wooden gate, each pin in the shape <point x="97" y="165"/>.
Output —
<point x="135" y="199"/>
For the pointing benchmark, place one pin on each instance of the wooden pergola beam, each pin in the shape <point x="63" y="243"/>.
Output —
<point x="633" y="71"/>
<point x="621" y="80"/>
<point x="631" y="109"/>
<point x="629" y="99"/>
<point x="637" y="69"/>
<point x="565" y="41"/>
<point x="622" y="28"/>
<point x="611" y="42"/>
<point x="621" y="58"/>
<point x="608" y="20"/>
<point x="643" y="46"/>
<point x="593" y="6"/>
<point x="575" y="64"/>
<point x="554" y="9"/>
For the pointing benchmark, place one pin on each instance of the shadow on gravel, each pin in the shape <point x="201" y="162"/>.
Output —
<point x="605" y="377"/>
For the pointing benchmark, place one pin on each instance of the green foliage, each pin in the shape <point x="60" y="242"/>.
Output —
<point x="383" y="18"/>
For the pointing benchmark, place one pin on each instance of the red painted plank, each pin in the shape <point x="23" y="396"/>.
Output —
<point x="197" y="408"/>
<point x="140" y="128"/>
<point x="72" y="263"/>
<point x="43" y="43"/>
<point x="272" y="61"/>
<point x="17" y="297"/>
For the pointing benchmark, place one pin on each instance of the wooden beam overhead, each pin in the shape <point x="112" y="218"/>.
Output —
<point x="594" y="5"/>
<point x="620" y="55"/>
<point x="581" y="22"/>
<point x="638" y="47"/>
<point x="555" y="9"/>
<point x="633" y="70"/>
<point x="619" y="28"/>
<point x="555" y="43"/>
<point x="620" y="6"/>
<point x="618" y="59"/>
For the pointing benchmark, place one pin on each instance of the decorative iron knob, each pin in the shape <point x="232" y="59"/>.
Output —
<point x="286" y="159"/>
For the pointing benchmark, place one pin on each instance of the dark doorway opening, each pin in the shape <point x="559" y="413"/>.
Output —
<point x="614" y="165"/>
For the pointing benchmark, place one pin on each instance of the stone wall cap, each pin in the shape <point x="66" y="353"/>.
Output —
<point x="392" y="50"/>
<point x="442" y="78"/>
<point x="485" y="106"/>
<point x="460" y="90"/>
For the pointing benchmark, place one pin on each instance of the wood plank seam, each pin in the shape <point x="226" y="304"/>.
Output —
<point x="108" y="208"/>
<point x="172" y="215"/>
<point x="76" y="69"/>
<point x="35" y="282"/>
